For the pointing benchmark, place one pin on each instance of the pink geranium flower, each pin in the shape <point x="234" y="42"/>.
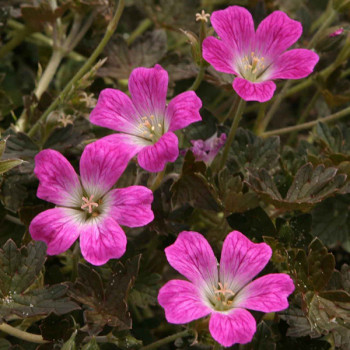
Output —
<point x="87" y="207"/>
<point x="257" y="58"/>
<point x="206" y="150"/>
<point x="224" y="294"/>
<point x="145" y="121"/>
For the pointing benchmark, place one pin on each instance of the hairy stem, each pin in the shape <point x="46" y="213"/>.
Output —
<point x="15" y="332"/>
<point x="49" y="73"/>
<point x="84" y="69"/>
<point x="166" y="340"/>
<point x="158" y="180"/>
<point x="305" y="114"/>
<point x="341" y="114"/>
<point x="199" y="78"/>
<point x="236" y="119"/>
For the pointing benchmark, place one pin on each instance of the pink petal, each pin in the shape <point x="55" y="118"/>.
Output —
<point x="153" y="158"/>
<point x="192" y="256"/>
<point x="114" y="110"/>
<point x="235" y="26"/>
<point x="183" y="110"/>
<point x="182" y="302"/>
<point x="131" y="206"/>
<point x="294" y="64"/>
<point x="127" y="143"/>
<point x="267" y="294"/>
<point x="260" y="91"/>
<point x="101" y="165"/>
<point x="58" y="181"/>
<point x="219" y="54"/>
<point x="102" y="239"/>
<point x="276" y="33"/>
<point x="148" y="88"/>
<point x="57" y="227"/>
<point x="241" y="260"/>
<point x="237" y="326"/>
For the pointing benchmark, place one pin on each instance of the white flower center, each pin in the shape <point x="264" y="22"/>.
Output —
<point x="222" y="298"/>
<point x="252" y="67"/>
<point x="151" y="128"/>
<point x="90" y="206"/>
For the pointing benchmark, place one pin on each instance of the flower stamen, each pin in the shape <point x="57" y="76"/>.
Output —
<point x="89" y="203"/>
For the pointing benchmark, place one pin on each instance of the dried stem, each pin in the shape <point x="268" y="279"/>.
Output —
<point x="84" y="69"/>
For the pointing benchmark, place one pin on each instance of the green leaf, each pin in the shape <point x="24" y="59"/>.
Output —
<point x="19" y="271"/>
<point x="145" y="290"/>
<point x="57" y="329"/>
<point x="331" y="221"/>
<point x="193" y="188"/>
<point x="6" y="165"/>
<point x="329" y="317"/>
<point x="232" y="194"/>
<point x="70" y="343"/>
<point x="309" y="187"/>
<point x="91" y="345"/>
<point x="263" y="338"/>
<point x="4" y="344"/>
<point x="253" y="223"/>
<point x="106" y="300"/>
<point x="321" y="264"/>
<point x="252" y="152"/>
<point x="19" y="268"/>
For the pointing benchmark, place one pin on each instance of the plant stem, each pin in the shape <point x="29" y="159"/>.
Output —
<point x="199" y="78"/>
<point x="17" y="38"/>
<point x="142" y="27"/>
<point x="158" y="180"/>
<point x="305" y="114"/>
<point x="15" y="332"/>
<point x="327" y="22"/>
<point x="87" y="65"/>
<point x="237" y="117"/>
<point x="166" y="340"/>
<point x="343" y="113"/>
<point x="282" y="94"/>
<point x="49" y="73"/>
<point x="41" y="39"/>
<point x="265" y="122"/>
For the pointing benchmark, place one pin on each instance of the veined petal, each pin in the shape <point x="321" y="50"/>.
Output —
<point x="192" y="256"/>
<point x="236" y="326"/>
<point x="241" y="260"/>
<point x="219" y="54"/>
<point x="294" y="64"/>
<point x="57" y="227"/>
<point x="58" y="181"/>
<point x="101" y="165"/>
<point x="235" y="26"/>
<point x="260" y="91"/>
<point x="148" y="88"/>
<point x="115" y="110"/>
<point x="182" y="111"/>
<point x="153" y="158"/>
<point x="276" y="33"/>
<point x="102" y="239"/>
<point x="181" y="302"/>
<point x="267" y="294"/>
<point x="131" y="206"/>
<point x="127" y="143"/>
